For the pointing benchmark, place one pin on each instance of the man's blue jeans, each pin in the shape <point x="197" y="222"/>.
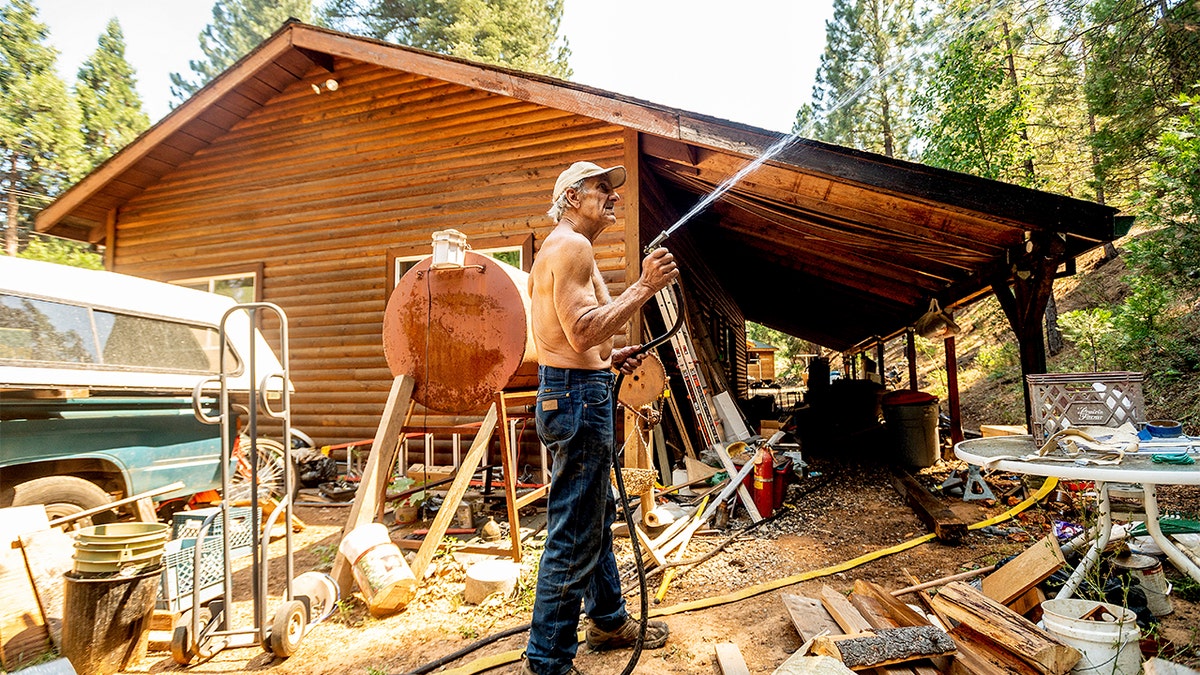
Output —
<point x="575" y="422"/>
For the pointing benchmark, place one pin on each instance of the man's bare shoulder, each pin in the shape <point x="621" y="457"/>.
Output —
<point x="564" y="247"/>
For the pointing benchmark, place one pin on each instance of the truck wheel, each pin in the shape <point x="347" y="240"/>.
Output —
<point x="63" y="496"/>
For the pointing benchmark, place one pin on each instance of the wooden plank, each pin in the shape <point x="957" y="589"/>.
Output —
<point x="24" y="636"/>
<point x="1029" y="605"/>
<point x="368" y="498"/>
<point x="1006" y="628"/>
<point x="730" y="660"/>
<point x="979" y="656"/>
<point x="1025" y="571"/>
<point x="937" y="516"/>
<point x="48" y="555"/>
<point x="742" y="492"/>
<point x="896" y="610"/>
<point x="886" y="646"/>
<point x="450" y="504"/>
<point x="843" y="612"/>
<point x="809" y="616"/>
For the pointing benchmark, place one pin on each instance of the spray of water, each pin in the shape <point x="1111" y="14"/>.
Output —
<point x="953" y="27"/>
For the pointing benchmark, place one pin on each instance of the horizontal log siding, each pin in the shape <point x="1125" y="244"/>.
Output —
<point x="319" y="187"/>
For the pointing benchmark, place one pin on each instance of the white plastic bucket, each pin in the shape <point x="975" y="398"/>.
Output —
<point x="384" y="578"/>
<point x="1108" y="647"/>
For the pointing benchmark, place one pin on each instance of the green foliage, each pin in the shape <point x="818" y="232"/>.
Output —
<point x="40" y="143"/>
<point x="789" y="361"/>
<point x="111" y="109"/>
<point x="863" y="86"/>
<point x="973" y="112"/>
<point x="521" y="34"/>
<point x="1141" y="319"/>
<point x="1088" y="330"/>
<point x="237" y="27"/>
<point x="63" y="252"/>
<point x="997" y="360"/>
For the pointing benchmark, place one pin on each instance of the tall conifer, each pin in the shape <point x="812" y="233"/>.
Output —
<point x="111" y="109"/>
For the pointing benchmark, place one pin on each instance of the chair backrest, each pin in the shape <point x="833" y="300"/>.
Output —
<point x="1063" y="400"/>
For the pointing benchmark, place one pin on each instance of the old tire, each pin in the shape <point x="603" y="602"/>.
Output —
<point x="183" y="647"/>
<point x="62" y="496"/>
<point x="291" y="621"/>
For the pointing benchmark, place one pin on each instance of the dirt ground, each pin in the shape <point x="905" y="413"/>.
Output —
<point x="836" y="513"/>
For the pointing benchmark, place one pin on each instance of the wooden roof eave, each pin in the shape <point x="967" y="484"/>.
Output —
<point x="261" y="57"/>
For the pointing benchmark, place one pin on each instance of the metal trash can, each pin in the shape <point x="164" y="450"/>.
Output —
<point x="106" y="621"/>
<point x="912" y="422"/>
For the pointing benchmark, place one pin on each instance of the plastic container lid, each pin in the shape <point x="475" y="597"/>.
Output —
<point x="908" y="397"/>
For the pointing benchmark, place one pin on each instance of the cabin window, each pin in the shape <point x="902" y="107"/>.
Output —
<point x="514" y="250"/>
<point x="242" y="287"/>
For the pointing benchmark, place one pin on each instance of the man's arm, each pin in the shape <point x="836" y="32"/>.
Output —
<point x="585" y="321"/>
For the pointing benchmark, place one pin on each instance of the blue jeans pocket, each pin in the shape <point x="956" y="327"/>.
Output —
<point x="557" y="416"/>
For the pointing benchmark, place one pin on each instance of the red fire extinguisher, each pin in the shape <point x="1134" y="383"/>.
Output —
<point x="764" y="482"/>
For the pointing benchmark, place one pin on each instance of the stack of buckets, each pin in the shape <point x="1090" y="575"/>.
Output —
<point x="108" y="599"/>
<point x="380" y="571"/>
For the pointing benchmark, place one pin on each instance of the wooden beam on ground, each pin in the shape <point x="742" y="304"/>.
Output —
<point x="809" y="616"/>
<point x="1006" y="628"/>
<point x="1025" y="571"/>
<point x="937" y="516"/>
<point x="454" y="496"/>
<point x="368" y="498"/>
<point x="729" y="658"/>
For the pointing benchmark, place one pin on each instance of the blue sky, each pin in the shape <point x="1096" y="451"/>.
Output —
<point x="749" y="61"/>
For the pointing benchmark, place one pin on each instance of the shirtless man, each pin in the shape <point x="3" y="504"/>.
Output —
<point x="574" y="321"/>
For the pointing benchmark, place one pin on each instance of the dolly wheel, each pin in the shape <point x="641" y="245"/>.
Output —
<point x="183" y="646"/>
<point x="288" y="629"/>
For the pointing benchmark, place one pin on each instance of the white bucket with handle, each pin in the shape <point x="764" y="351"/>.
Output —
<point x="1108" y="638"/>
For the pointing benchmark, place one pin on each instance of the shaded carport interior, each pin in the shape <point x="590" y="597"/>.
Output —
<point x="826" y="243"/>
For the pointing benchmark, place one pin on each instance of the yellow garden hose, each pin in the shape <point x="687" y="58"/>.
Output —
<point x="495" y="660"/>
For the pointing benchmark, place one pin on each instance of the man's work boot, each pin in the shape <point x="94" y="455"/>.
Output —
<point x="626" y="635"/>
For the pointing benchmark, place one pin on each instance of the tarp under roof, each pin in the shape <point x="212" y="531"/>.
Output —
<point x="823" y="242"/>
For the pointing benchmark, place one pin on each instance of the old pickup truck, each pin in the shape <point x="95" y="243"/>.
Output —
<point x="97" y="372"/>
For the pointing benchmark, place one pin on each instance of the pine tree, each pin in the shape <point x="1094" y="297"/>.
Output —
<point x="40" y="143"/>
<point x="521" y="34"/>
<point x="237" y="27"/>
<point x="111" y="109"/>
<point x="865" y="80"/>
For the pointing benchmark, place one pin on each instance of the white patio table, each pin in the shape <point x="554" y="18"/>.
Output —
<point x="999" y="452"/>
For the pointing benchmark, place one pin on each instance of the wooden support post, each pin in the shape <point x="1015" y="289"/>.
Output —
<point x="879" y="369"/>
<point x="956" y="433"/>
<point x="378" y="473"/>
<point x="910" y="352"/>
<point x="508" y="463"/>
<point x="450" y="504"/>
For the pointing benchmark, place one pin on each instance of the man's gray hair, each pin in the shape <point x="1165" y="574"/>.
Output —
<point x="560" y="204"/>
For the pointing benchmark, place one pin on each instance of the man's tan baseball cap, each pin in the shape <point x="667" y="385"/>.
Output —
<point x="580" y="170"/>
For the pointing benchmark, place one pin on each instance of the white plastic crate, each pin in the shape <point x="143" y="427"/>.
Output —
<point x="178" y="575"/>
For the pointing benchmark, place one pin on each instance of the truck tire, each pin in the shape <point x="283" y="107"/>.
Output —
<point x="62" y="496"/>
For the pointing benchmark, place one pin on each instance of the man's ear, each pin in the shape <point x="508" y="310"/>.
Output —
<point x="573" y="197"/>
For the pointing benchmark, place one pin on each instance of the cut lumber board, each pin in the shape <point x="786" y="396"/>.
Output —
<point x="899" y="612"/>
<point x="946" y="525"/>
<point x="1029" y="605"/>
<point x="1006" y="628"/>
<point x="49" y="554"/>
<point x="1030" y="568"/>
<point x="979" y="656"/>
<point x="729" y="658"/>
<point x="886" y="646"/>
<point x="872" y="611"/>
<point x="844" y="613"/>
<point x="809" y="616"/>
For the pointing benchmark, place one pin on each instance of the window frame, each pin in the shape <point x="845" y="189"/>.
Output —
<point x="211" y="274"/>
<point x="522" y="242"/>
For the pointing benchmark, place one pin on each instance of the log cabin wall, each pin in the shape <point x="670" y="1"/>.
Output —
<point x="316" y="190"/>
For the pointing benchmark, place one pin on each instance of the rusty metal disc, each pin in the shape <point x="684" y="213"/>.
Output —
<point x="460" y="333"/>
<point x="644" y="385"/>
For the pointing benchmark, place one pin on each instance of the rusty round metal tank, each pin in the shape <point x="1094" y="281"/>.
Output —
<point x="463" y="333"/>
